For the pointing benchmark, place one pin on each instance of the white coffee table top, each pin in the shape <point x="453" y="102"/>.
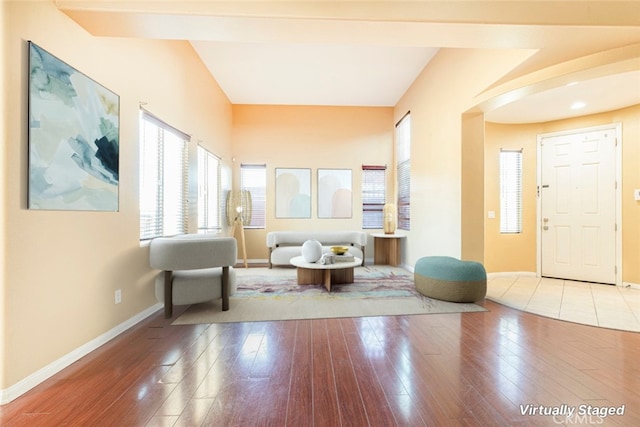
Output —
<point x="300" y="262"/>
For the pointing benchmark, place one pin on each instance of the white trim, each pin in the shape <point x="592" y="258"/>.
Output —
<point x="26" y="384"/>
<point x="617" y="128"/>
<point x="511" y="274"/>
<point x="631" y="285"/>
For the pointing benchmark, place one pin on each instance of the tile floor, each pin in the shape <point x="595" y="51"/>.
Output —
<point x="594" y="304"/>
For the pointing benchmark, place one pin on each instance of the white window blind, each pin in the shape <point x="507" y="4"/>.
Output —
<point x="373" y="195"/>
<point x="254" y="179"/>
<point x="403" y="171"/>
<point x="163" y="179"/>
<point x="209" y="207"/>
<point x="510" y="191"/>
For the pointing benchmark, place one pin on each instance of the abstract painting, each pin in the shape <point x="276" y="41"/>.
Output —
<point x="293" y="193"/>
<point x="334" y="193"/>
<point x="73" y="138"/>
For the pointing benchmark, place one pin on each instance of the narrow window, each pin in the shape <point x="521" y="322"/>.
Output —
<point x="510" y="191"/>
<point x="373" y="195"/>
<point x="403" y="171"/>
<point x="163" y="179"/>
<point x="253" y="178"/>
<point x="209" y="207"/>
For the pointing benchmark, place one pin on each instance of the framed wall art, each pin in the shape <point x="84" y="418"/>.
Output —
<point x="293" y="193"/>
<point x="334" y="193"/>
<point x="73" y="138"/>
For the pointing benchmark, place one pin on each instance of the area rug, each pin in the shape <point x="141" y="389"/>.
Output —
<point x="273" y="294"/>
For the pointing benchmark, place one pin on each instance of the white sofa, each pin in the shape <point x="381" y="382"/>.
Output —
<point x="284" y="245"/>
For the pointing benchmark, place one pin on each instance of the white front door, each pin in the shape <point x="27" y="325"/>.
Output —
<point x="578" y="206"/>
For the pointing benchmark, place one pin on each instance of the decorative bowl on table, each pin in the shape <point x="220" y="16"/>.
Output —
<point x="339" y="250"/>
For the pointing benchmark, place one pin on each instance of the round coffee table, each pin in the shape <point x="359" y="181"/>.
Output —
<point x="338" y="273"/>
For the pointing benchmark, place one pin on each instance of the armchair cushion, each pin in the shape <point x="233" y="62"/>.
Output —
<point x="195" y="286"/>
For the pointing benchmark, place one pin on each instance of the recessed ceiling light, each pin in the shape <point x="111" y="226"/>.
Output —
<point x="578" y="105"/>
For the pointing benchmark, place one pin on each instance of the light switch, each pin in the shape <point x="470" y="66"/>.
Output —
<point x="491" y="214"/>
<point x="636" y="194"/>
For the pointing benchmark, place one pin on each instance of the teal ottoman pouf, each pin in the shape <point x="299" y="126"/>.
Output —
<point x="450" y="279"/>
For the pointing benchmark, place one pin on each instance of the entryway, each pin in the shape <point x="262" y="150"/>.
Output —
<point x="578" y="204"/>
<point x="593" y="304"/>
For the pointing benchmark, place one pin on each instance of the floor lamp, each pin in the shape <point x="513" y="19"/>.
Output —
<point x="239" y="215"/>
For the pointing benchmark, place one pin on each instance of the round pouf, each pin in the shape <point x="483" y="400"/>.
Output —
<point x="311" y="250"/>
<point x="450" y="279"/>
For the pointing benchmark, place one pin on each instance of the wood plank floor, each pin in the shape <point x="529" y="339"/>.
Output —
<point x="472" y="369"/>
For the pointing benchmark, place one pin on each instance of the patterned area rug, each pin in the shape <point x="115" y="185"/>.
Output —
<point x="273" y="294"/>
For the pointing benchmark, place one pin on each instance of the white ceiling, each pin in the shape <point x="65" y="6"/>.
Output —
<point x="598" y="95"/>
<point x="356" y="75"/>
<point x="313" y="74"/>
<point x="369" y="53"/>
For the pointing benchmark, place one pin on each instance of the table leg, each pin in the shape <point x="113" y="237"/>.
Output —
<point x="327" y="280"/>
<point x="325" y="277"/>
<point x="342" y="276"/>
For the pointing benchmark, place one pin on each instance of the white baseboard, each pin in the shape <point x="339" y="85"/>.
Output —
<point x="26" y="384"/>
<point x="511" y="274"/>
<point x="252" y="261"/>
<point x="631" y="285"/>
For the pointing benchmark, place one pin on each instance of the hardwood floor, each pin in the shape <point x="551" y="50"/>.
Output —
<point x="472" y="369"/>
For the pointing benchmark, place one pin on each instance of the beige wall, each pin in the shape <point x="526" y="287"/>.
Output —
<point x="4" y="103"/>
<point x="62" y="268"/>
<point x="518" y="252"/>
<point x="472" y="187"/>
<point x="438" y="98"/>
<point x="311" y="137"/>
<point x="510" y="252"/>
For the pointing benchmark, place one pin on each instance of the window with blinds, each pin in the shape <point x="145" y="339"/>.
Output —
<point x="163" y="179"/>
<point x="373" y="195"/>
<point x="403" y="171"/>
<point x="254" y="179"/>
<point x="510" y="191"/>
<point x="209" y="207"/>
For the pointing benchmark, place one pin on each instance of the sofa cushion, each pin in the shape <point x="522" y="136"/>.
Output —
<point x="297" y="238"/>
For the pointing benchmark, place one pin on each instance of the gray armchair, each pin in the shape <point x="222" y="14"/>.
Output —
<point x="196" y="268"/>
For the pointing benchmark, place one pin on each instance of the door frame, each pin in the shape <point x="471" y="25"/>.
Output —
<point x="615" y="127"/>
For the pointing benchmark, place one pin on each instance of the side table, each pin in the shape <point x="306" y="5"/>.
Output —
<point x="386" y="248"/>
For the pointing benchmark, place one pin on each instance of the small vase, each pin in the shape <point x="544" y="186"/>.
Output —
<point x="311" y="250"/>
<point x="389" y="218"/>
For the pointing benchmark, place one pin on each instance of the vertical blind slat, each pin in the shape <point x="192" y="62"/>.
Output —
<point x="209" y="206"/>
<point x="403" y="171"/>
<point x="254" y="179"/>
<point x="373" y="195"/>
<point x="510" y="191"/>
<point x="163" y="179"/>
